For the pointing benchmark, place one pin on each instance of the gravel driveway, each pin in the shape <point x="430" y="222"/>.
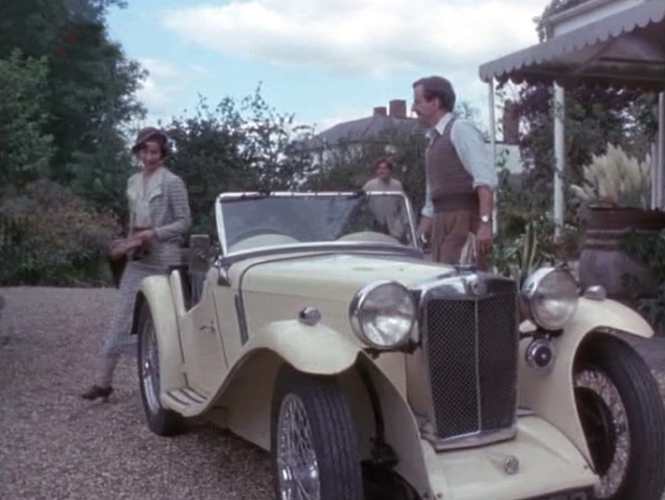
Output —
<point x="54" y="445"/>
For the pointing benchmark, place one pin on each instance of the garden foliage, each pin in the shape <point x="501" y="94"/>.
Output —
<point x="50" y="236"/>
<point x="26" y="148"/>
<point x="236" y="146"/>
<point x="649" y="249"/>
<point x="68" y="97"/>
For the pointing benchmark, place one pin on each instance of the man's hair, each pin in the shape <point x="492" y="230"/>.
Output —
<point x="437" y="87"/>
<point x="384" y="161"/>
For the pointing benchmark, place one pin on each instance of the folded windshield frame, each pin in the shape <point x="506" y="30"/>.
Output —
<point x="226" y="198"/>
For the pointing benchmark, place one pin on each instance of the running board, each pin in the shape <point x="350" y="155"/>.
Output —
<point x="186" y="401"/>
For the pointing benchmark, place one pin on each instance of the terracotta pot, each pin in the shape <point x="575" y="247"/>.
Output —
<point x="617" y="218"/>
<point x="603" y="262"/>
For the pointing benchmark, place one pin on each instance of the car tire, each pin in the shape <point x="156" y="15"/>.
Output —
<point x="160" y="420"/>
<point x="313" y="439"/>
<point x="622" y="415"/>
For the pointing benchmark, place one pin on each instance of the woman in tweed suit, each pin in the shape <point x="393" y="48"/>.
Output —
<point x="158" y="224"/>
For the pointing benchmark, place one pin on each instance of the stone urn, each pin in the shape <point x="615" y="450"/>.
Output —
<point x="603" y="262"/>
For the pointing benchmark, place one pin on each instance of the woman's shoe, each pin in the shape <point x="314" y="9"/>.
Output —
<point x="97" y="392"/>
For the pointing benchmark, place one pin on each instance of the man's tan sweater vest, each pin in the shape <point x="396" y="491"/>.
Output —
<point x="450" y="183"/>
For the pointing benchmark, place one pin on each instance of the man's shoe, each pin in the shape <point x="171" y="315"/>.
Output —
<point x="97" y="392"/>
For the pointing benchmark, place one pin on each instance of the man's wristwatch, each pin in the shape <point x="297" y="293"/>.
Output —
<point x="485" y="219"/>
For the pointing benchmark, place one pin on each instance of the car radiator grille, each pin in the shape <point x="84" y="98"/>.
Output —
<point x="471" y="350"/>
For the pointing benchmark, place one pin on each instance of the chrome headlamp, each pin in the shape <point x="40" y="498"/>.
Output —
<point x="382" y="315"/>
<point x="551" y="297"/>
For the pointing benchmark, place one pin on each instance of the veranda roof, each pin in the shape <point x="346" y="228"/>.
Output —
<point x="622" y="50"/>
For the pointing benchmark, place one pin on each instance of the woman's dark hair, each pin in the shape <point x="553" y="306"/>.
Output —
<point x="437" y="87"/>
<point x="152" y="134"/>
<point x="384" y="161"/>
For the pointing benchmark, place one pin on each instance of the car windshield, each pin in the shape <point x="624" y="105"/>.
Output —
<point x="248" y="221"/>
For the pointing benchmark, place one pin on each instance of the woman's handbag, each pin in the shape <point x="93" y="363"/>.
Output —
<point x="118" y="257"/>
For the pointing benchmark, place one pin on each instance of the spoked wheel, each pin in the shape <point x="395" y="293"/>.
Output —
<point x="622" y="415"/>
<point x="314" y="442"/>
<point x="160" y="420"/>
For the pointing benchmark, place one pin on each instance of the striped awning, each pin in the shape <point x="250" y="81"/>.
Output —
<point x="626" y="49"/>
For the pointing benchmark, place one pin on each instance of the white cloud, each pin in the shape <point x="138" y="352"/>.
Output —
<point x="362" y="36"/>
<point x="161" y="88"/>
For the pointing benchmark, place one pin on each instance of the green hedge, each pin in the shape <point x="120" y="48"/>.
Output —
<point x="48" y="236"/>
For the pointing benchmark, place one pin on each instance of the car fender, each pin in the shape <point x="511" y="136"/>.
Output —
<point x="246" y="397"/>
<point x="401" y="430"/>
<point x="246" y="393"/>
<point x="550" y="394"/>
<point x="156" y="292"/>
<point x="317" y="349"/>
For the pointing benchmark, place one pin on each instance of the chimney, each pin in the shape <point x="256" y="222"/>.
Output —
<point x="380" y="111"/>
<point x="397" y="108"/>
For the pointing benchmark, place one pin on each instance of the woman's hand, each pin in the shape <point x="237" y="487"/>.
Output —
<point x="144" y="236"/>
<point x="120" y="247"/>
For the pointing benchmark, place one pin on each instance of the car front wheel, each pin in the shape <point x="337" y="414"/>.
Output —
<point x="622" y="415"/>
<point x="160" y="420"/>
<point x="314" y="443"/>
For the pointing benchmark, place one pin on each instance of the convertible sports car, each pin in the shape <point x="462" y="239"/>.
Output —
<point x="313" y="326"/>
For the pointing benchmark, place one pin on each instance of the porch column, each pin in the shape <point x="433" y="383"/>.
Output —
<point x="490" y="84"/>
<point x="660" y="164"/>
<point x="559" y="156"/>
<point x="656" y="174"/>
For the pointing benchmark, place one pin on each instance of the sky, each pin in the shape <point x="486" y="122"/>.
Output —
<point x="325" y="61"/>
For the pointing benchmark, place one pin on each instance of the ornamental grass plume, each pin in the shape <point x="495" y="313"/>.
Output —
<point x="616" y="179"/>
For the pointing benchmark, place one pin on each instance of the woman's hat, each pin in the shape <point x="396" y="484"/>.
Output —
<point x="151" y="133"/>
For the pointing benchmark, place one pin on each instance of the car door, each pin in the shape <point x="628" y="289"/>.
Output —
<point x="205" y="358"/>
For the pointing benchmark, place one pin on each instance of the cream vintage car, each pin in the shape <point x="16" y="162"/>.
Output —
<point x="314" y="328"/>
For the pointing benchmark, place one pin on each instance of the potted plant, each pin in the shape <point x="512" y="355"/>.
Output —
<point x="615" y="197"/>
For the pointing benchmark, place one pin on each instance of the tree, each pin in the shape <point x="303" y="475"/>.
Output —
<point x="25" y="147"/>
<point x="236" y="147"/>
<point x="90" y="89"/>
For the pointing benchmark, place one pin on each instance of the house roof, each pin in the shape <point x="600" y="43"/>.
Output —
<point x="365" y="130"/>
<point x="626" y="49"/>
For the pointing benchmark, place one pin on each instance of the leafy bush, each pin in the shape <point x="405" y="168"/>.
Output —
<point x="649" y="249"/>
<point x="52" y="237"/>
<point x="525" y="239"/>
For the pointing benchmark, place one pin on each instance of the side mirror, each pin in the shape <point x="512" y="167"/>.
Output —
<point x="199" y="253"/>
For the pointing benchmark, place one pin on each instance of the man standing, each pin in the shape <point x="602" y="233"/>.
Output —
<point x="460" y="176"/>
<point x="387" y="209"/>
<point x="383" y="180"/>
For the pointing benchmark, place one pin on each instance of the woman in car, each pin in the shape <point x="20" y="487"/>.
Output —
<point x="159" y="220"/>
